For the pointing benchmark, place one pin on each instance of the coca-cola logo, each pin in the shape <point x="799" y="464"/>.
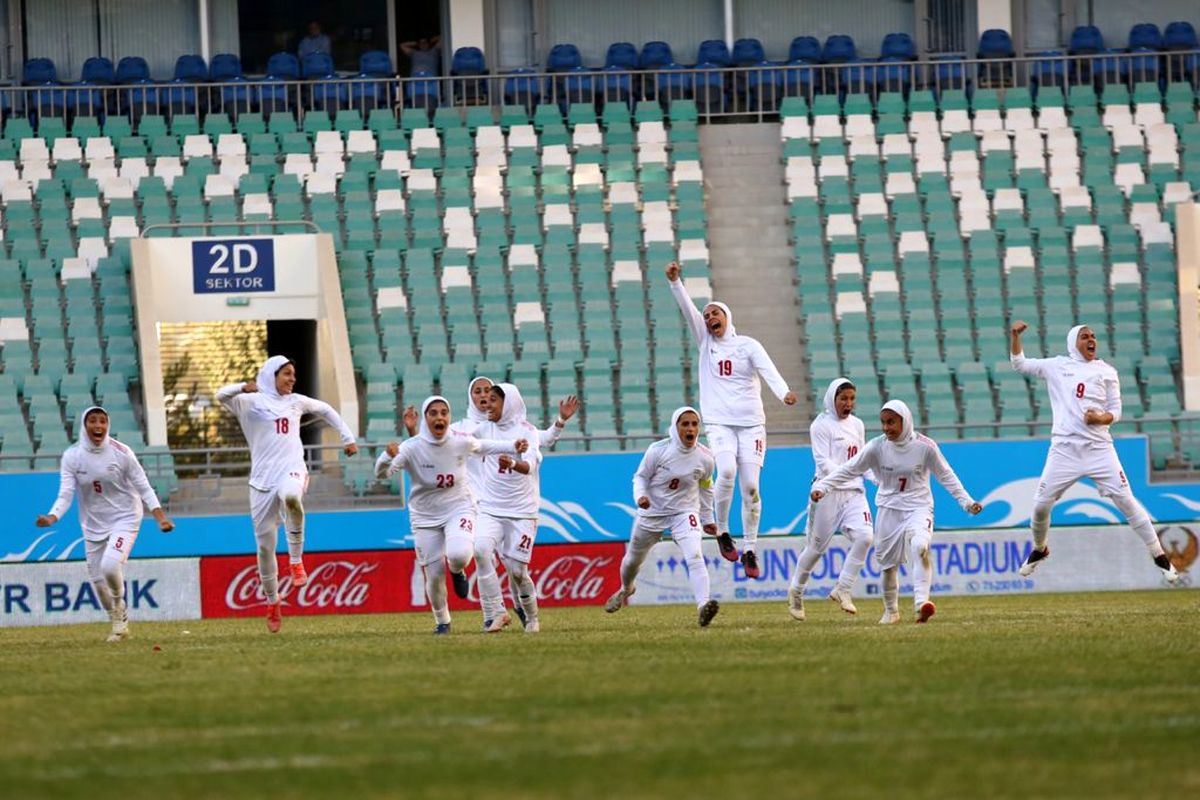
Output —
<point x="332" y="584"/>
<point x="576" y="577"/>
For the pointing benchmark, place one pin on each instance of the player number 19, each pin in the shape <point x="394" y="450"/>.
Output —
<point x="725" y="368"/>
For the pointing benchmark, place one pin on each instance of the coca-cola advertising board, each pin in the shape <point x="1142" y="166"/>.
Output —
<point x="387" y="581"/>
<point x="338" y="583"/>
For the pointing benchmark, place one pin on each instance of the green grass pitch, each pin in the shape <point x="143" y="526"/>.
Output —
<point x="1089" y="696"/>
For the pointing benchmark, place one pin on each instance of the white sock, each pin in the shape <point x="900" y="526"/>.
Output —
<point x="922" y="572"/>
<point x="809" y="557"/>
<point x="698" y="578"/>
<point x="1139" y="520"/>
<point x="526" y="591"/>
<point x="295" y="540"/>
<point x="491" y="600"/>
<point x="856" y="558"/>
<point x="748" y="474"/>
<point x="891" y="589"/>
<point x="104" y="595"/>
<point x="435" y="590"/>
<point x="1039" y="525"/>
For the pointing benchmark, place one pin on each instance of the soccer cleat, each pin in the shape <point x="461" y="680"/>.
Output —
<point x="750" y="564"/>
<point x="618" y="599"/>
<point x="708" y="611"/>
<point x="889" y="618"/>
<point x="441" y="629"/>
<point x="462" y="587"/>
<point x="120" y="623"/>
<point x="520" y="612"/>
<point x="497" y="624"/>
<point x="1034" y="558"/>
<point x="727" y="548"/>
<point x="274" y="616"/>
<point x="842" y="598"/>
<point x="533" y="626"/>
<point x="299" y="575"/>
<point x="1170" y="574"/>
<point x="796" y="603"/>
<point x="925" y="611"/>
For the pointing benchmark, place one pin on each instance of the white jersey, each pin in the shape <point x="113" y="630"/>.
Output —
<point x="834" y="442"/>
<point x="506" y="492"/>
<point x="730" y="392"/>
<point x="902" y="472"/>
<point x="1075" y="386"/>
<point x="677" y="481"/>
<point x="273" y="433"/>
<point x="112" y="488"/>
<point x="475" y="467"/>
<point x="438" y="485"/>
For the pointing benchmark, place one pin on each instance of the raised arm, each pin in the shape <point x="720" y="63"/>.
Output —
<point x="391" y="460"/>
<point x="566" y="409"/>
<point x="227" y="395"/>
<point x="691" y="314"/>
<point x="938" y="465"/>
<point x="496" y="447"/>
<point x="1026" y="366"/>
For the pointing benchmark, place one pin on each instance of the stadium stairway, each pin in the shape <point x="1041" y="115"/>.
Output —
<point x="750" y="255"/>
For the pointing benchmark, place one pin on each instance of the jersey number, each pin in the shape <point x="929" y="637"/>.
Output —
<point x="119" y="543"/>
<point x="526" y="542"/>
<point x="1079" y="390"/>
<point x="903" y="483"/>
<point x="466" y="524"/>
<point x="758" y="447"/>
<point x="97" y="487"/>
<point x="674" y="484"/>
<point x="506" y="470"/>
<point x="445" y="480"/>
<point x="282" y="424"/>
<point x="851" y="451"/>
<point x="725" y="368"/>
<point x="693" y="521"/>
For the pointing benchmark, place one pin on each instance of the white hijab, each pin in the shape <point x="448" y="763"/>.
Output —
<point x="84" y="439"/>
<point x="473" y="413"/>
<point x="907" y="434"/>
<point x="424" y="432"/>
<point x="268" y="401"/>
<point x="1073" y="343"/>
<point x="831" y="395"/>
<point x="674" y="431"/>
<point x="730" y="331"/>
<point x="514" y="411"/>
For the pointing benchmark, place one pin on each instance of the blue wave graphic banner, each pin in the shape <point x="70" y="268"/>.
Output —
<point x="588" y="498"/>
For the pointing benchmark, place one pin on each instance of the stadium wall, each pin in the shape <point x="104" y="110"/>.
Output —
<point x="587" y="499"/>
<point x="389" y="581"/>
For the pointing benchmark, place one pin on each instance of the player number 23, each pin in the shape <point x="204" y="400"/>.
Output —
<point x="445" y="480"/>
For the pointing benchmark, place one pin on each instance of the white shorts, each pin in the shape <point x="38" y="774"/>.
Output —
<point x="1067" y="462"/>
<point x="896" y="531"/>
<point x="267" y="509"/>
<point x="747" y="443"/>
<point x="845" y="511"/>
<point x="513" y="539"/>
<point x="454" y="540"/>
<point x="675" y="525"/>
<point x="114" y="547"/>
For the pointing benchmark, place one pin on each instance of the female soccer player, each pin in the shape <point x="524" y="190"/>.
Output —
<point x="673" y="491"/>
<point x="441" y="508"/>
<point x="509" y="499"/>
<point x="269" y="413"/>
<point x="837" y="436"/>
<point x="730" y="397"/>
<point x="1085" y="397"/>
<point x="902" y="461"/>
<point x="112" y="487"/>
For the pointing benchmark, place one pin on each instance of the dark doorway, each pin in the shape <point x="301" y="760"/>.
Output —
<point x="297" y="339"/>
<point x="271" y="26"/>
<point x="416" y="20"/>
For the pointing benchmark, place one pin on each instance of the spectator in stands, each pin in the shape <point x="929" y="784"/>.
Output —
<point x="425" y="55"/>
<point x="315" y="42"/>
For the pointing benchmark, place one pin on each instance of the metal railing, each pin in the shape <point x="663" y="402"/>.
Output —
<point x="718" y="91"/>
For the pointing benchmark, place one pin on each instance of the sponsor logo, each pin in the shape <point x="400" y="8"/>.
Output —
<point x="236" y="266"/>
<point x="338" y="583"/>
<point x="1181" y="544"/>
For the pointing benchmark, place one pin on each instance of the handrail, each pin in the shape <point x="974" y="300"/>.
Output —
<point x="312" y="226"/>
<point x="725" y="91"/>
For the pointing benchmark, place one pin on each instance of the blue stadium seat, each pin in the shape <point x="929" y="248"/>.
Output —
<point x="224" y="67"/>
<point x="1145" y="36"/>
<point x="283" y="66"/>
<point x="616" y="85"/>
<point x="469" y="62"/>
<point x="577" y="86"/>
<point x="189" y="69"/>
<point x="132" y="69"/>
<point x="227" y="68"/>
<point x="995" y="43"/>
<point x="522" y="88"/>
<point x="42" y="72"/>
<point x="747" y="52"/>
<point x="715" y="52"/>
<point x="804" y="50"/>
<point x="1180" y="36"/>
<point x="367" y="94"/>
<point x="839" y="49"/>
<point x="655" y="55"/>
<point x="622" y="55"/>
<point x="898" y="46"/>
<point x="1086" y="40"/>
<point x="422" y="93"/>
<point x="327" y="92"/>
<point x="1145" y="43"/>
<point x="276" y="96"/>
<point x="563" y="57"/>
<point x="97" y="71"/>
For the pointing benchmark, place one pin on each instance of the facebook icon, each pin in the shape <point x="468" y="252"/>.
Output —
<point x="233" y="266"/>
